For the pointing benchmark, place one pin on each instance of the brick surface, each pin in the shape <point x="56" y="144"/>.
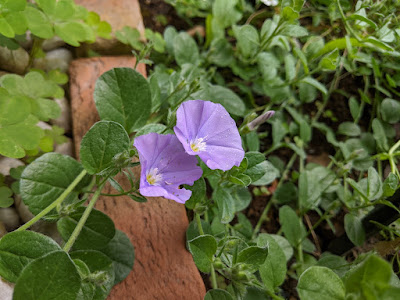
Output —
<point x="118" y="13"/>
<point x="163" y="268"/>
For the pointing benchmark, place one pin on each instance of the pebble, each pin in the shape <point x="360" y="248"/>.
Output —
<point x="7" y="163"/>
<point x="15" y="61"/>
<point x="10" y="218"/>
<point x="55" y="59"/>
<point x="66" y="148"/>
<point x="52" y="44"/>
<point x="44" y="125"/>
<point x="6" y="290"/>
<point x="64" y="121"/>
<point x="22" y="209"/>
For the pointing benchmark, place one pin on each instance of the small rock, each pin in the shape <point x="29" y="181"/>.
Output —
<point x="15" y="61"/>
<point x="44" y="125"/>
<point x="52" y="44"/>
<point x="55" y="59"/>
<point x="10" y="218"/>
<point x="6" y="290"/>
<point x="27" y="42"/>
<point x="66" y="148"/>
<point x="64" y="121"/>
<point x="7" y="163"/>
<point x="22" y="209"/>
<point x="3" y="231"/>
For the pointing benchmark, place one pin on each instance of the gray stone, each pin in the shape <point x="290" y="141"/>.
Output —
<point x="55" y="59"/>
<point x="15" y="61"/>
<point x="64" y="121"/>
<point x="52" y="44"/>
<point x="7" y="163"/>
<point x="22" y="209"/>
<point x="10" y="218"/>
<point x="6" y="290"/>
<point x="44" y="125"/>
<point x="66" y="148"/>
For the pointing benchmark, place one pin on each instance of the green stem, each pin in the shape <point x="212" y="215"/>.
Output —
<point x="263" y="216"/>
<point x="83" y="219"/>
<point x="345" y="22"/>
<point x="213" y="278"/>
<point x="198" y="220"/>
<point x="273" y="296"/>
<point x="58" y="201"/>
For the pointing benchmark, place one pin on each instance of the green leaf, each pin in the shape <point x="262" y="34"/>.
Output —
<point x="362" y="18"/>
<point x="16" y="251"/>
<point x="390" y="110"/>
<point x="248" y="40"/>
<point x="240" y="179"/>
<point x="294" y="31"/>
<point x="329" y="61"/>
<point x="357" y="188"/>
<point x="102" y="266"/>
<point x="380" y="135"/>
<point x="374" y="187"/>
<point x="254" y="256"/>
<point x="38" y="23"/>
<point x="349" y="129"/>
<point x="320" y="283"/>
<point x="158" y="128"/>
<point x="307" y="93"/>
<point x="185" y="49"/>
<point x="229" y="99"/>
<point x="96" y="233"/>
<point x="273" y="270"/>
<point x="130" y="36"/>
<point x="354" y="229"/>
<point x="292" y="226"/>
<point x="225" y="12"/>
<point x="203" y="249"/>
<point x="5" y="28"/>
<point x="5" y="196"/>
<point x="270" y="173"/>
<point x="226" y="204"/>
<point x="220" y="52"/>
<point x="373" y="273"/>
<point x="377" y="43"/>
<point x="286" y="193"/>
<point x="53" y="276"/>
<point x="290" y="67"/>
<point x="315" y="83"/>
<point x="354" y="108"/>
<point x="120" y="250"/>
<point x="242" y="198"/>
<point x="198" y="193"/>
<point x="101" y="143"/>
<point x="39" y="189"/>
<point x="390" y="185"/>
<point x="123" y="95"/>
<point x="218" y="294"/>
<point x="284" y="244"/>
<point x="73" y="32"/>
<point x="13" y="5"/>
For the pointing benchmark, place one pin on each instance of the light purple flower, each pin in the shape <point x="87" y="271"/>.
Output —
<point x="165" y="166"/>
<point x="206" y="129"/>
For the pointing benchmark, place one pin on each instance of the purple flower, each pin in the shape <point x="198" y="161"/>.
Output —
<point x="165" y="166"/>
<point x="206" y="129"/>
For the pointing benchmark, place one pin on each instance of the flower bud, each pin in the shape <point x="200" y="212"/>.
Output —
<point x="259" y="120"/>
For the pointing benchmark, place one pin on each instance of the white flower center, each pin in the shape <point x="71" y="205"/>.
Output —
<point x="153" y="177"/>
<point x="198" y="145"/>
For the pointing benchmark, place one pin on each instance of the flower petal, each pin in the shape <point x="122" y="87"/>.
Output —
<point x="223" y="145"/>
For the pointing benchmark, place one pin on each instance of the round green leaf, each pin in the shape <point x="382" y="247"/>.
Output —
<point x="218" y="294"/>
<point x="123" y="95"/>
<point x="19" y="248"/>
<point x="100" y="265"/>
<point x="354" y="229"/>
<point x="53" y="276"/>
<point x="229" y="99"/>
<point x="203" y="249"/>
<point x="5" y="196"/>
<point x="390" y="110"/>
<point x="122" y="253"/>
<point x="38" y="23"/>
<point x="101" y="143"/>
<point x="97" y="232"/>
<point x="320" y="283"/>
<point x="185" y="49"/>
<point x="40" y="188"/>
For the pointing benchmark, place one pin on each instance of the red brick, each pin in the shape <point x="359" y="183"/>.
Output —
<point x="163" y="268"/>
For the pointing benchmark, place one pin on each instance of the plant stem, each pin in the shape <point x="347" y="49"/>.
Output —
<point x="213" y="278"/>
<point x="198" y="220"/>
<point x="273" y="296"/>
<point x="350" y="30"/>
<point x="83" y="219"/>
<point x="266" y="209"/>
<point x="58" y="201"/>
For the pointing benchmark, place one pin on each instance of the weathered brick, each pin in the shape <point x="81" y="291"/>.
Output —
<point x="163" y="268"/>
